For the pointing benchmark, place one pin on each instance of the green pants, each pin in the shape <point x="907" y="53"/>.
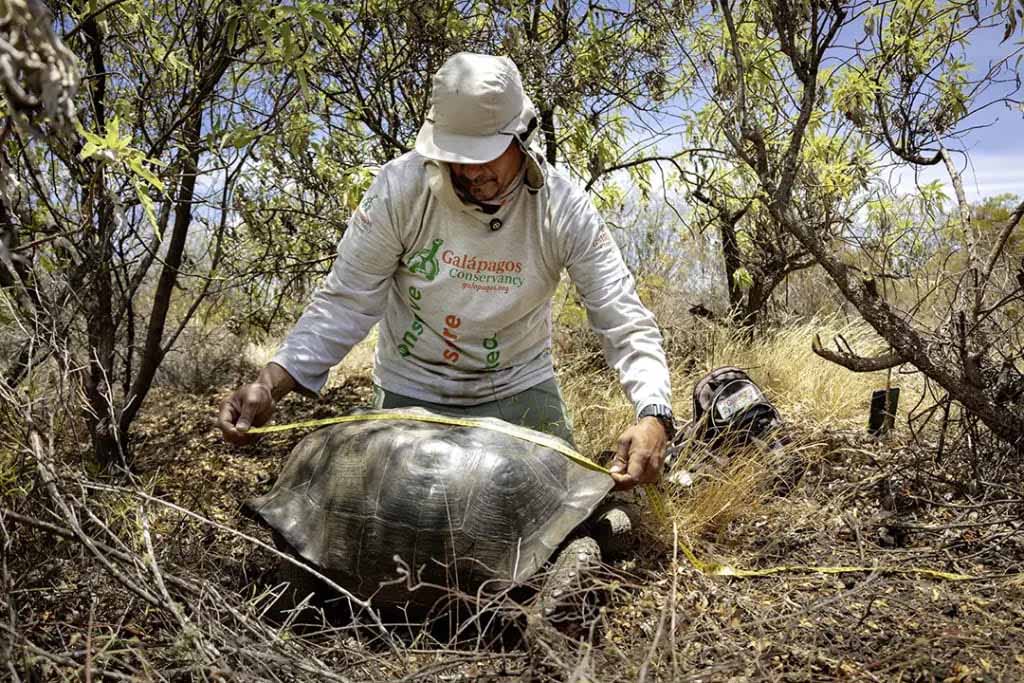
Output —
<point x="540" y="407"/>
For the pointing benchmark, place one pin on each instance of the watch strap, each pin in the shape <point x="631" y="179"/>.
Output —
<point x="664" y="415"/>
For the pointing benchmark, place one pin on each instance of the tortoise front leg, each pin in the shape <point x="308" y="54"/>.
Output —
<point x="567" y="597"/>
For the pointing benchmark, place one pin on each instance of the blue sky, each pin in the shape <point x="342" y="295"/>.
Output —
<point x="990" y="154"/>
<point x="1005" y="132"/>
<point x="995" y="151"/>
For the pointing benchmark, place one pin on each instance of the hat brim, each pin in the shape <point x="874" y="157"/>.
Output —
<point x="459" y="149"/>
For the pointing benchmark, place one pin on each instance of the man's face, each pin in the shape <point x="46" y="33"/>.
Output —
<point x="484" y="182"/>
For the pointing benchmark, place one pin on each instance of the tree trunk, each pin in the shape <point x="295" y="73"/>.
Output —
<point x="153" y="351"/>
<point x="101" y="333"/>
<point x="731" y="258"/>
<point x="100" y="328"/>
<point x="547" y="129"/>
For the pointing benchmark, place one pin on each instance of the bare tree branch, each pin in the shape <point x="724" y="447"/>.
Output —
<point x="854" y="362"/>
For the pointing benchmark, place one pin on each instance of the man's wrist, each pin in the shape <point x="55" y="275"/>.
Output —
<point x="662" y="414"/>
<point x="277" y="380"/>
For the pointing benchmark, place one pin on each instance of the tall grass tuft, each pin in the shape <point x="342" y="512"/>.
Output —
<point x="808" y="391"/>
<point x="803" y="386"/>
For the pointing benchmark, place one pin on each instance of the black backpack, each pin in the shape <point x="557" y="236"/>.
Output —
<point x="729" y="409"/>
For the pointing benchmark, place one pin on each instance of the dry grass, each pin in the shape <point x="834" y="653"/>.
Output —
<point x="804" y="386"/>
<point x="811" y="394"/>
<point x="821" y="403"/>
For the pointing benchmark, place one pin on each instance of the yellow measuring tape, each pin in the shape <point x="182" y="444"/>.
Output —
<point x="718" y="569"/>
<point x="654" y="497"/>
<point x="537" y="438"/>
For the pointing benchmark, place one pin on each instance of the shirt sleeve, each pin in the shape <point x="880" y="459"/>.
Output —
<point x="353" y="296"/>
<point x="630" y="337"/>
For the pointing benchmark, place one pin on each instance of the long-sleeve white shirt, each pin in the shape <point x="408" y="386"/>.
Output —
<point x="464" y="297"/>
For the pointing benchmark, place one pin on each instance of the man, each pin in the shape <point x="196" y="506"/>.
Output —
<point x="459" y="246"/>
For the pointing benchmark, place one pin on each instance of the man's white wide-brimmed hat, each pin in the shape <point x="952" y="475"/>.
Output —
<point x="477" y="106"/>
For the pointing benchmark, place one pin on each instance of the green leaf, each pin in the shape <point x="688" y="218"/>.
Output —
<point x="135" y="163"/>
<point x="240" y="137"/>
<point x="88" y="149"/>
<point x="290" y="48"/>
<point x="743" y="279"/>
<point x="112" y="138"/>
<point x="147" y="207"/>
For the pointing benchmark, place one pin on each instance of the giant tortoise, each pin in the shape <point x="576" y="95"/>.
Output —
<point x="401" y="497"/>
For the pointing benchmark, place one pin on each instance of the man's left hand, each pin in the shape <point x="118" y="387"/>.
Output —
<point x="640" y="454"/>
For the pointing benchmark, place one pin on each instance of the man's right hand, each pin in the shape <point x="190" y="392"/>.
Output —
<point x="252" y="405"/>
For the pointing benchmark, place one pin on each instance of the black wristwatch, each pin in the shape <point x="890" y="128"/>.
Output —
<point x="664" y="415"/>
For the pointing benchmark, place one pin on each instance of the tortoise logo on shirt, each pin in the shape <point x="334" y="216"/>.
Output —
<point x="424" y="261"/>
<point x="367" y="203"/>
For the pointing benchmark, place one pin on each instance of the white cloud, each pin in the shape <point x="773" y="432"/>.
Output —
<point x="984" y="174"/>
